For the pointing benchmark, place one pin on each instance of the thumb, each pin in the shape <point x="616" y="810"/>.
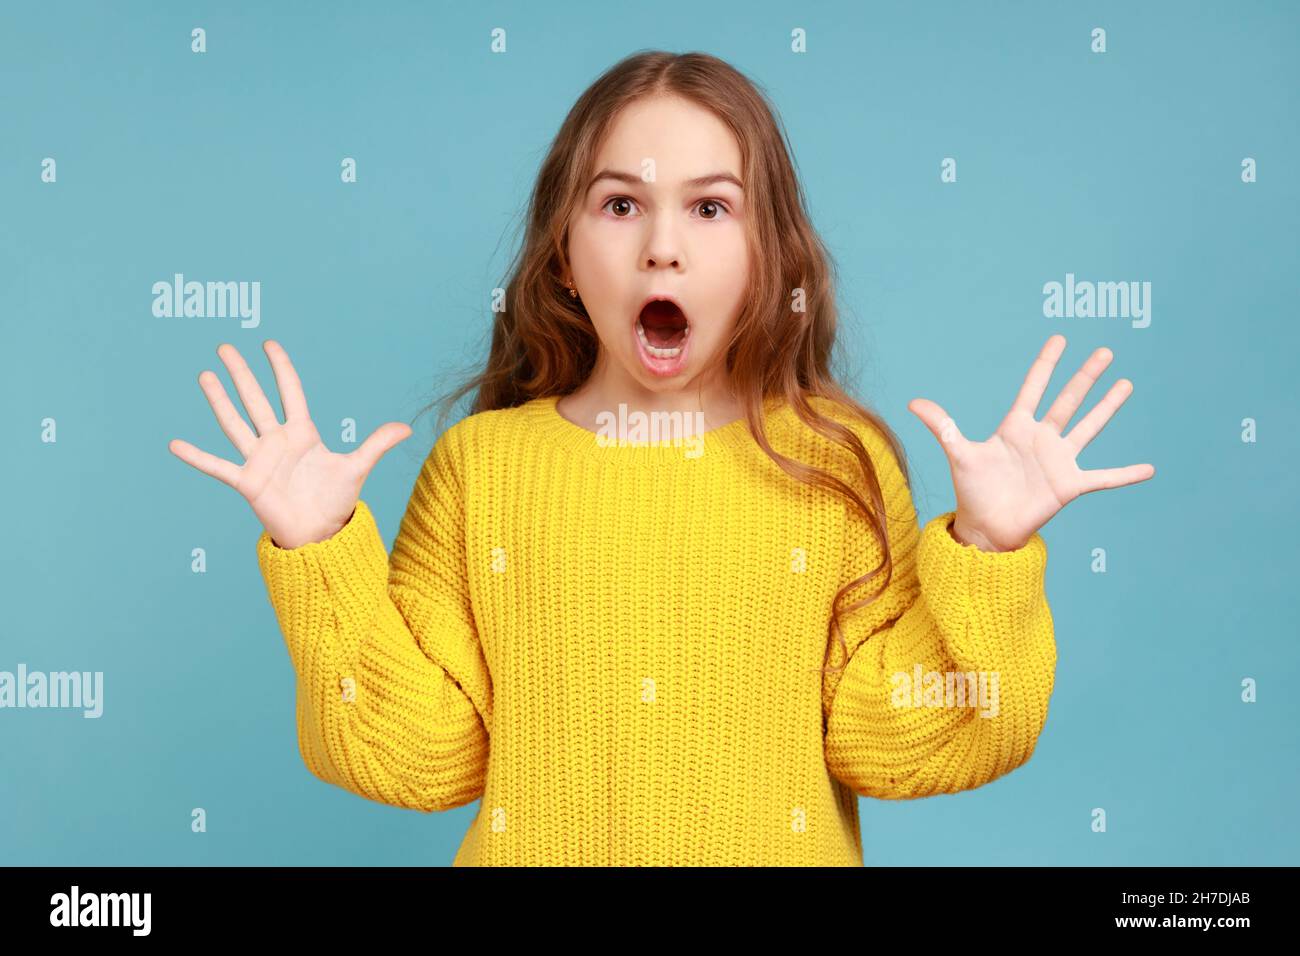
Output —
<point x="940" y="424"/>
<point x="377" y="445"/>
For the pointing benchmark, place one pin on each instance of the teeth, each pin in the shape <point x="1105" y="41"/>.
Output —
<point x="661" y="353"/>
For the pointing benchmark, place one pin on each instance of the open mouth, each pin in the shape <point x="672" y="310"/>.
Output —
<point x="663" y="329"/>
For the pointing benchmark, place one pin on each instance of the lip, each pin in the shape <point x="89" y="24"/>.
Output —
<point x="660" y="297"/>
<point x="661" y="367"/>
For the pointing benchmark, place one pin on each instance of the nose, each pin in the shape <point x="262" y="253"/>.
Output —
<point x="661" y="246"/>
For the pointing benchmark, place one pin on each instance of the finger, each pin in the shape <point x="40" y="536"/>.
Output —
<point x="941" y="426"/>
<point x="250" y="393"/>
<point x="292" y="400"/>
<point x="377" y="445"/>
<point x="1091" y="424"/>
<point x="1040" y="373"/>
<point x="1071" y="397"/>
<point x="1100" y="478"/>
<point x="228" y="417"/>
<point x="219" y="468"/>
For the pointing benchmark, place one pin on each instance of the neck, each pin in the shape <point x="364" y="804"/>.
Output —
<point x="607" y="388"/>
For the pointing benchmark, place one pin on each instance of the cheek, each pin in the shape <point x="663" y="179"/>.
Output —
<point x="731" y="251"/>
<point x="579" y="244"/>
<point x="732" y="262"/>
<point x="600" y="253"/>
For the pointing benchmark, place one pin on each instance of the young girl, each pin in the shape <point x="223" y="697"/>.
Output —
<point x="638" y="650"/>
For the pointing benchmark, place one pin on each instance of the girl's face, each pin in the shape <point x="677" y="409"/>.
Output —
<point x="662" y="216"/>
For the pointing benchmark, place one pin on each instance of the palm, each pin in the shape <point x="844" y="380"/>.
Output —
<point x="298" y="488"/>
<point x="1010" y="485"/>
<point x="291" y="479"/>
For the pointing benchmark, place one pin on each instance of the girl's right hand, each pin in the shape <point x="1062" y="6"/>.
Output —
<point x="301" y="491"/>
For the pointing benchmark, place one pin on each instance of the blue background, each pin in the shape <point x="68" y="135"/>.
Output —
<point x="225" y="166"/>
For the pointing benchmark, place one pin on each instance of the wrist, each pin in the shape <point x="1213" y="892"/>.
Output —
<point x="965" y="534"/>
<point x="317" y="538"/>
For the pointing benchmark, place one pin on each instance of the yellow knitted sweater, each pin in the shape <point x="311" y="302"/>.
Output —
<point x="618" y="649"/>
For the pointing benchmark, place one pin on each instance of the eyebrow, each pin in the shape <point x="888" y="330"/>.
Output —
<point x="633" y="180"/>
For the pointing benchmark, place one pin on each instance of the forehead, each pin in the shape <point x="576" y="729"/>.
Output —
<point x="683" y="138"/>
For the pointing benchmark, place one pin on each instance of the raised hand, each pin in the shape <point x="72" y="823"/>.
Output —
<point x="300" y="490"/>
<point x="1011" y="485"/>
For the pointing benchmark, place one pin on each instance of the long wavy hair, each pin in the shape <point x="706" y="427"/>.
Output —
<point x="544" y="343"/>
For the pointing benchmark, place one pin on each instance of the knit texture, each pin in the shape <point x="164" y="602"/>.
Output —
<point x="618" y="649"/>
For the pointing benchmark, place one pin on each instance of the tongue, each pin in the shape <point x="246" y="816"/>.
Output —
<point x="664" y="324"/>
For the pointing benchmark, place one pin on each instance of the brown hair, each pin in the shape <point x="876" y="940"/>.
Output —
<point x="544" y="344"/>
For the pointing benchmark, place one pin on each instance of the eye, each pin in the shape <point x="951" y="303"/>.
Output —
<point x="716" y="205"/>
<point x="618" y="199"/>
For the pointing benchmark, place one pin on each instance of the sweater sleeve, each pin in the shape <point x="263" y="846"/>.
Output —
<point x="394" y="698"/>
<point x="949" y="670"/>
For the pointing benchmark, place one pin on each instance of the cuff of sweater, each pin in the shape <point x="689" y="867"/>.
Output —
<point x="351" y="566"/>
<point x="976" y="596"/>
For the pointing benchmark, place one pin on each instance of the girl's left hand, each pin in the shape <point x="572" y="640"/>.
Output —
<point x="1010" y="485"/>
